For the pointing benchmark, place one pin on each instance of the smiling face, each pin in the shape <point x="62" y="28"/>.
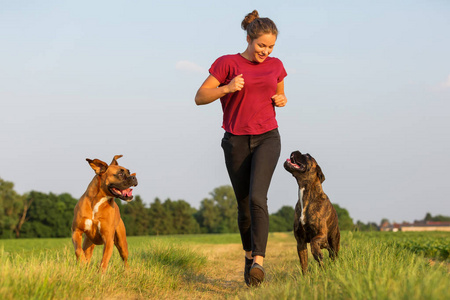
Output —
<point x="259" y="49"/>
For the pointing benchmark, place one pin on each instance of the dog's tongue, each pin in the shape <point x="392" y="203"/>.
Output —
<point x="292" y="163"/>
<point x="125" y="193"/>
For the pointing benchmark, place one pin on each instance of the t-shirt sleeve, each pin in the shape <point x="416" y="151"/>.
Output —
<point x="220" y="69"/>
<point x="282" y="73"/>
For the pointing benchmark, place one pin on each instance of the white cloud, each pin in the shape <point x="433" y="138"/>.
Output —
<point x="446" y="83"/>
<point x="189" y="66"/>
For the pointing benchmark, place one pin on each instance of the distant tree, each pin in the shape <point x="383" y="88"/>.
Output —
<point x="208" y="216"/>
<point x="160" y="221"/>
<point x="226" y="202"/>
<point x="66" y="204"/>
<point x="441" y="218"/>
<point x="182" y="215"/>
<point x="370" y="226"/>
<point x="219" y="213"/>
<point x="172" y="217"/>
<point x="49" y="215"/>
<point x="437" y="218"/>
<point x="10" y="206"/>
<point x="135" y="217"/>
<point x="23" y="214"/>
<point x="282" y="220"/>
<point x="345" y="221"/>
<point x="287" y="213"/>
<point x="383" y="221"/>
<point x="279" y="224"/>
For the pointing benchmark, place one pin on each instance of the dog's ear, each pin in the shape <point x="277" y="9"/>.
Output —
<point x="97" y="165"/>
<point x="320" y="174"/>
<point x="114" y="161"/>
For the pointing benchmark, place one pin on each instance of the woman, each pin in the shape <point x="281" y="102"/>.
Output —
<point x="250" y="84"/>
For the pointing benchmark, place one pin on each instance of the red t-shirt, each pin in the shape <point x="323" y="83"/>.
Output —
<point x="249" y="111"/>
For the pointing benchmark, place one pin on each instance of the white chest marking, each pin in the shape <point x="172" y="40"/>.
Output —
<point x="97" y="206"/>
<point x="87" y="224"/>
<point x="302" y="211"/>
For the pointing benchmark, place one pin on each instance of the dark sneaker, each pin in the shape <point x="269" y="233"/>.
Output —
<point x="256" y="275"/>
<point x="248" y="265"/>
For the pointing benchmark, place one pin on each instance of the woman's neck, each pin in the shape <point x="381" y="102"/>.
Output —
<point x="245" y="55"/>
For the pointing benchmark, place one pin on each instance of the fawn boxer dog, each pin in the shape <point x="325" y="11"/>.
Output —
<point x="316" y="220"/>
<point x="97" y="214"/>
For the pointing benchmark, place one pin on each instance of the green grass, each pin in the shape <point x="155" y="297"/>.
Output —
<point x="217" y="239"/>
<point x="370" y="266"/>
<point x="434" y="245"/>
<point x="156" y="268"/>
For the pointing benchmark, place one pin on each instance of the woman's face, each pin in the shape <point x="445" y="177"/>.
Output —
<point x="260" y="48"/>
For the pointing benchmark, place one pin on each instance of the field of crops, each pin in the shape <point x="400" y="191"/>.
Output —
<point x="375" y="265"/>
<point x="430" y="246"/>
<point x="435" y="245"/>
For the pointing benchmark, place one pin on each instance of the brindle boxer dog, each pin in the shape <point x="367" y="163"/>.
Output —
<point x="316" y="220"/>
<point x="97" y="214"/>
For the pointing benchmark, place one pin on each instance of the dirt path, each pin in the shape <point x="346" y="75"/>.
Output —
<point x="223" y="275"/>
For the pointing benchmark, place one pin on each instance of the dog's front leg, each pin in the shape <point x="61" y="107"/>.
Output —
<point x="107" y="251"/>
<point x="77" y="237"/>
<point x="302" y="251"/>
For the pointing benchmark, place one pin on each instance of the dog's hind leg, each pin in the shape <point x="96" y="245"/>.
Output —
<point x="333" y="242"/>
<point x="120" y="240"/>
<point x="316" y="244"/>
<point x="88" y="248"/>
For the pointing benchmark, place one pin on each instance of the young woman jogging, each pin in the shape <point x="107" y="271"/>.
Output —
<point x="250" y="85"/>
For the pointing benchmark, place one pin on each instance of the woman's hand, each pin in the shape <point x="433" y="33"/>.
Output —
<point x="279" y="100"/>
<point x="236" y="84"/>
<point x="210" y="90"/>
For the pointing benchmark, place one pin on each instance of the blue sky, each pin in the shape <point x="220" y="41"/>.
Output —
<point x="368" y="91"/>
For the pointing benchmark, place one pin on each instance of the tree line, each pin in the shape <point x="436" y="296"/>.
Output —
<point x="38" y="215"/>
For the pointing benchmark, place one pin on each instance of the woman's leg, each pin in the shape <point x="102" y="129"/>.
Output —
<point x="238" y="162"/>
<point x="266" y="152"/>
<point x="251" y="161"/>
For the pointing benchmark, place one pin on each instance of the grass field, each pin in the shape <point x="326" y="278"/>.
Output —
<point x="370" y="266"/>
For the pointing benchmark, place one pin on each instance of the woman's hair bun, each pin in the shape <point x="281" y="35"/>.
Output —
<point x="249" y="18"/>
<point x="256" y="26"/>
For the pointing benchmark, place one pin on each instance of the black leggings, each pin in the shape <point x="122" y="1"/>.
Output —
<point x="251" y="161"/>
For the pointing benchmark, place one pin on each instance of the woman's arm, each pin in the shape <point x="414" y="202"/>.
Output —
<point x="210" y="90"/>
<point x="279" y="99"/>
